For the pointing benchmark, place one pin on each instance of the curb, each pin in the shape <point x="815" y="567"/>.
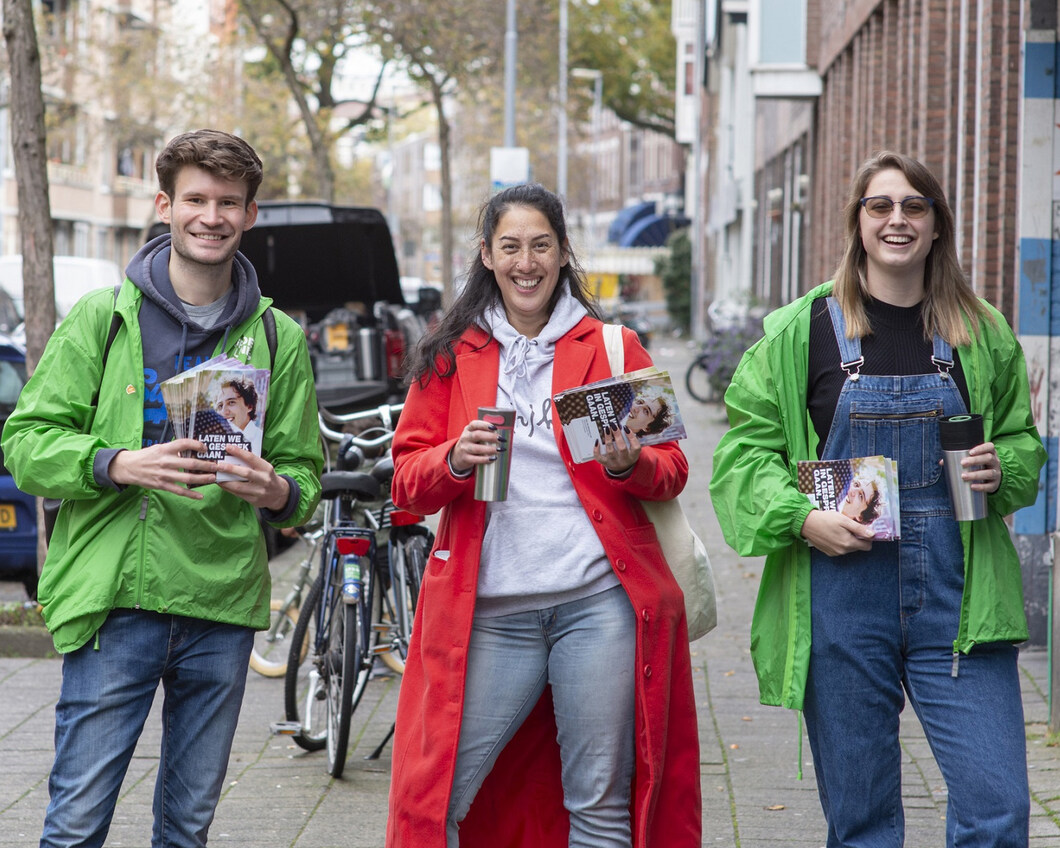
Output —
<point x="23" y="641"/>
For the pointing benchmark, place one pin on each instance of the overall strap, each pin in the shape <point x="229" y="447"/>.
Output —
<point x="942" y="355"/>
<point x="850" y="356"/>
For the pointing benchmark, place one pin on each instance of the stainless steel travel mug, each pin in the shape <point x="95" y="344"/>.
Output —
<point x="958" y="434"/>
<point x="491" y="480"/>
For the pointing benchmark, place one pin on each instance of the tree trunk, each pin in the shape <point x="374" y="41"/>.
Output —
<point x="444" y="141"/>
<point x="31" y="176"/>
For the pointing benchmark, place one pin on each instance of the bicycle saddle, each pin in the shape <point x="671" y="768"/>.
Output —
<point x="358" y="483"/>
<point x="383" y="470"/>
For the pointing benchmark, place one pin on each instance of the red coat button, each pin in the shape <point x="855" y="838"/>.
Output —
<point x="599" y="516"/>
<point x="646" y="615"/>
<point x="620" y="564"/>
<point x="647" y="671"/>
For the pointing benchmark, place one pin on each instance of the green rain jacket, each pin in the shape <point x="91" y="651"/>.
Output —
<point x="148" y="549"/>
<point x="761" y="511"/>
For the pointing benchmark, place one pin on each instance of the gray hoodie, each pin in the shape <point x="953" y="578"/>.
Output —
<point x="172" y="340"/>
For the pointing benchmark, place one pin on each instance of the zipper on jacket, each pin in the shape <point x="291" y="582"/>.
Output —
<point x="956" y="660"/>
<point x="143" y="545"/>
<point x="893" y="416"/>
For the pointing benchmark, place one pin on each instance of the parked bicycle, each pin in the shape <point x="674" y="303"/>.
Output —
<point x="711" y="371"/>
<point x="269" y="655"/>
<point x="362" y="603"/>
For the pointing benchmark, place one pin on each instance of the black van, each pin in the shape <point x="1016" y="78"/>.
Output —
<point x="333" y="269"/>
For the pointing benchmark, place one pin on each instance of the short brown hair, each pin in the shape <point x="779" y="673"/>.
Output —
<point x="219" y="153"/>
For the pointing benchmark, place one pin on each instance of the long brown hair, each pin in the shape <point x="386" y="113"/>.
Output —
<point x="948" y="297"/>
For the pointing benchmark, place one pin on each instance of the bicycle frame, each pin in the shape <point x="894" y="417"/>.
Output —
<point x="347" y="630"/>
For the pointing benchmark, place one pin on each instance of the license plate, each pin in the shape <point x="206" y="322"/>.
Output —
<point x="8" y="521"/>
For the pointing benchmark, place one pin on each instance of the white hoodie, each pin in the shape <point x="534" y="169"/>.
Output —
<point x="540" y="548"/>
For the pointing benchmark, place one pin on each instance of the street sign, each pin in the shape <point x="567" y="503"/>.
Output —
<point x="508" y="166"/>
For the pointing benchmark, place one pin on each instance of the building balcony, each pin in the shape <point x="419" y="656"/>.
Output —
<point x="787" y="81"/>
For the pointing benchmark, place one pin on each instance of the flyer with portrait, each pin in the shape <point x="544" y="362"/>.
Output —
<point x="643" y="401"/>
<point x="864" y="488"/>
<point x="220" y="402"/>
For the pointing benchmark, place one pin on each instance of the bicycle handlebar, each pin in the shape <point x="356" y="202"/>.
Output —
<point x="387" y="412"/>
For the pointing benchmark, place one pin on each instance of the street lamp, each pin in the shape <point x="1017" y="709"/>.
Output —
<point x="561" y="158"/>
<point x="511" y="41"/>
<point x="597" y="77"/>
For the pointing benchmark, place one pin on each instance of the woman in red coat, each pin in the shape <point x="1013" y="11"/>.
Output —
<point x="547" y="696"/>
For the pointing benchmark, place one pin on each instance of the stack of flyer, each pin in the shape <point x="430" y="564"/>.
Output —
<point x="643" y="401"/>
<point x="864" y="488"/>
<point x="220" y="402"/>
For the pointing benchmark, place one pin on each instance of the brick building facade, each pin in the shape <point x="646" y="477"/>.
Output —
<point x="939" y="81"/>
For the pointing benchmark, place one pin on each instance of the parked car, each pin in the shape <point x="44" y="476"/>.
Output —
<point x="75" y="276"/>
<point x="333" y="269"/>
<point x="10" y="317"/>
<point x="18" y="511"/>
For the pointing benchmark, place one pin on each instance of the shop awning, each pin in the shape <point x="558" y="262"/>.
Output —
<point x="626" y="218"/>
<point x="651" y="231"/>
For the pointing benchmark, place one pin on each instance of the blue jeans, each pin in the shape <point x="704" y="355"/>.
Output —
<point x="106" y="696"/>
<point x="585" y="650"/>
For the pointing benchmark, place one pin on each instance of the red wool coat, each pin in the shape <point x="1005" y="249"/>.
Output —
<point x="521" y="803"/>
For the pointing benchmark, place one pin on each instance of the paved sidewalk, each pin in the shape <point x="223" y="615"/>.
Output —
<point x="277" y="796"/>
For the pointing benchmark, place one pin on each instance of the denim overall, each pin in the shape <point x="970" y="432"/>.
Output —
<point x="883" y="626"/>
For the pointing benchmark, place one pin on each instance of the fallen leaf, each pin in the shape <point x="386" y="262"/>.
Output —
<point x="746" y="718"/>
<point x="734" y="746"/>
<point x="773" y="807"/>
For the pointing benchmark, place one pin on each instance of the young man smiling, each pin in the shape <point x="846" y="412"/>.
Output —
<point x="156" y="573"/>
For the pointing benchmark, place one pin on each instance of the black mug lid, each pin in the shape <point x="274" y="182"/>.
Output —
<point x="960" y="432"/>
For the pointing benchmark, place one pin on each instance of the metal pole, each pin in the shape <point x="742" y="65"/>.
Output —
<point x="699" y="305"/>
<point x="597" y="124"/>
<point x="561" y="158"/>
<point x="510" y="42"/>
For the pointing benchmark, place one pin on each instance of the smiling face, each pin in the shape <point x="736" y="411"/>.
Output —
<point x="861" y="502"/>
<point x="231" y="406"/>
<point x="643" y="413"/>
<point x="897" y="246"/>
<point x="525" y="256"/>
<point x="207" y="216"/>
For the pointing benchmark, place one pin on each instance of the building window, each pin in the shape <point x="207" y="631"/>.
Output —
<point x="65" y="140"/>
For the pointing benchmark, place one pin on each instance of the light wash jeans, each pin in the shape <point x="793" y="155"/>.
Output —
<point x="105" y="699"/>
<point x="586" y="651"/>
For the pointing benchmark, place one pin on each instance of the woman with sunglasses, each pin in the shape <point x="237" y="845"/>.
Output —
<point x="846" y="628"/>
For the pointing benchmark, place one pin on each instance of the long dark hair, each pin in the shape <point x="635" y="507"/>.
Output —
<point x="435" y="354"/>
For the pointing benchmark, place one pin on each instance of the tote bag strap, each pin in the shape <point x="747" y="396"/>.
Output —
<point x="616" y="350"/>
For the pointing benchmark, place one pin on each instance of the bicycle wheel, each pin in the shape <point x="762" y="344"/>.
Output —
<point x="305" y="683"/>
<point x="342" y="661"/>
<point x="412" y="560"/>
<point x="697" y="381"/>
<point x="394" y="614"/>
<point x="415" y="566"/>
<point x="269" y="654"/>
